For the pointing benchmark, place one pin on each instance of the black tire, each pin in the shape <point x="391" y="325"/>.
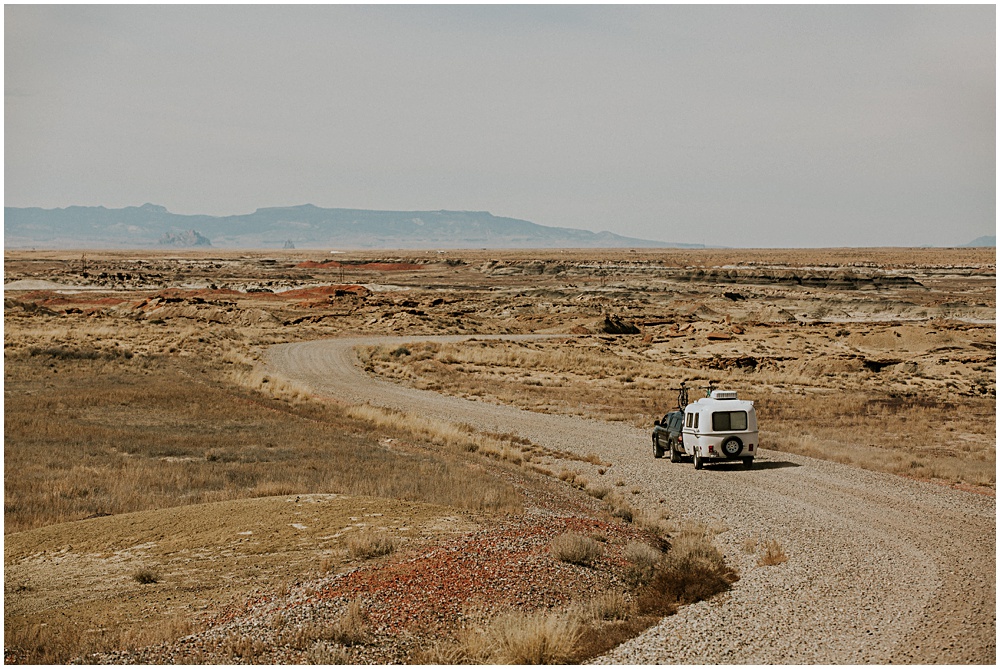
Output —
<point x="732" y="447"/>
<point x="675" y="455"/>
<point x="657" y="450"/>
<point x="698" y="462"/>
<point x="748" y="463"/>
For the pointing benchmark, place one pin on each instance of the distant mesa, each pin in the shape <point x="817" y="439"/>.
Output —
<point x="310" y="227"/>
<point x="186" y="238"/>
<point x="985" y="240"/>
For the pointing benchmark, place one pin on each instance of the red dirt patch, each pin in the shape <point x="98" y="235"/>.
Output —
<point x="49" y="299"/>
<point x="492" y="570"/>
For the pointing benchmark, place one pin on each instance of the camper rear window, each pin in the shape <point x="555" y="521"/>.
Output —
<point x="727" y="421"/>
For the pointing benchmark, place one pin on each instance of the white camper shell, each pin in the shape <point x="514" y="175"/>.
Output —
<point x="720" y="427"/>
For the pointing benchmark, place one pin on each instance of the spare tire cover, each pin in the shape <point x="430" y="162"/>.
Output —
<point x="732" y="447"/>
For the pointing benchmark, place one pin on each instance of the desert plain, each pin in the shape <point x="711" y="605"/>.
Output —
<point x="193" y="475"/>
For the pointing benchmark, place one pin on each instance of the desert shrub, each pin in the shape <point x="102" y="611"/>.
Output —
<point x="370" y="545"/>
<point x="599" y="492"/>
<point x="693" y="570"/>
<point x="771" y="554"/>
<point x="240" y="647"/>
<point x="575" y="549"/>
<point x="657" y="522"/>
<point x="63" y="641"/>
<point x="146" y="576"/>
<point x="624" y="512"/>
<point x="69" y="353"/>
<point x="642" y="562"/>
<point x="537" y="638"/>
<point x="351" y="627"/>
<point x="609" y="606"/>
<point x="749" y="545"/>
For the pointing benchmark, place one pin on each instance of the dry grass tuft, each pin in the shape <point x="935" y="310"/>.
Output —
<point x="643" y="560"/>
<point x="535" y="638"/>
<point x="243" y="648"/>
<point x="146" y="576"/>
<point x="771" y="554"/>
<point x="598" y="492"/>
<point x="542" y="637"/>
<point x="350" y="628"/>
<point x="371" y="545"/>
<point x="575" y="549"/>
<point x="609" y="606"/>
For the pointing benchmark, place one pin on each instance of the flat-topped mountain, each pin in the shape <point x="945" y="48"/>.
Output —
<point x="304" y="226"/>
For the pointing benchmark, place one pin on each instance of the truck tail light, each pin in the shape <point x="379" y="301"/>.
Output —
<point x="750" y="448"/>
<point x="711" y="448"/>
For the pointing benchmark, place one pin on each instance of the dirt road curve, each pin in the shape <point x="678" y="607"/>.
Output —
<point x="881" y="569"/>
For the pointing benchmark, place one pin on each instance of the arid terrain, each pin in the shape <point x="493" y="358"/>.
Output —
<point x="193" y="475"/>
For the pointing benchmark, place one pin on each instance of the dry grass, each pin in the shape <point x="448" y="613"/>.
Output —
<point x="575" y="549"/>
<point x="371" y="545"/>
<point x="771" y="553"/>
<point x="542" y="637"/>
<point x="539" y="638"/>
<point x="643" y="561"/>
<point x="242" y="648"/>
<point x="59" y="641"/>
<point x="609" y="606"/>
<point x="112" y="436"/>
<point x="322" y="653"/>
<point x="693" y="570"/>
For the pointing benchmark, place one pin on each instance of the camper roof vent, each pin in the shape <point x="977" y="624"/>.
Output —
<point x="723" y="394"/>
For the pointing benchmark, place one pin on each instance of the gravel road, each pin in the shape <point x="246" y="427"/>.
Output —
<point x="881" y="568"/>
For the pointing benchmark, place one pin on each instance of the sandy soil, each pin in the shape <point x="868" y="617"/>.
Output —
<point x="200" y="555"/>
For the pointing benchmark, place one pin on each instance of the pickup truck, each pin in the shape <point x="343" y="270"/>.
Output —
<point x="667" y="434"/>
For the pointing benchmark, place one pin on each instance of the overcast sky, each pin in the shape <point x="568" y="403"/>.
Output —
<point x="724" y="125"/>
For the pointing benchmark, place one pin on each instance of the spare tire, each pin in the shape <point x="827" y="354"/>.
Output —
<point x="732" y="447"/>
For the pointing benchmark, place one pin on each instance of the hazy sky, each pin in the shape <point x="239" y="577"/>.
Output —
<point x="728" y="125"/>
